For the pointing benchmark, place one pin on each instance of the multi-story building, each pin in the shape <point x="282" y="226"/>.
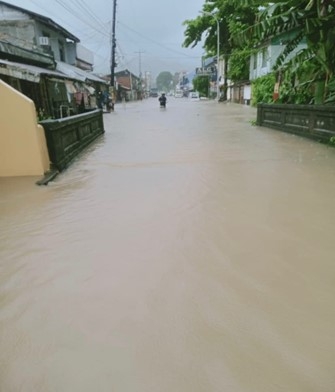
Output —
<point x="46" y="62"/>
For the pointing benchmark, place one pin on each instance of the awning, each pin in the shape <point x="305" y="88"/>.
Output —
<point x="77" y="73"/>
<point x="33" y="73"/>
<point x="119" y="85"/>
<point x="124" y="88"/>
<point x="26" y="71"/>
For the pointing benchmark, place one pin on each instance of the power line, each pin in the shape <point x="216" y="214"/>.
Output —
<point x="153" y="41"/>
<point x="89" y="12"/>
<point x="74" y="12"/>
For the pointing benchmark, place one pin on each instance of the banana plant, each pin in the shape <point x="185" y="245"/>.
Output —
<point x="309" y="20"/>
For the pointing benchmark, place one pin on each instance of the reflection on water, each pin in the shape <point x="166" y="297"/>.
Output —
<point x="184" y="251"/>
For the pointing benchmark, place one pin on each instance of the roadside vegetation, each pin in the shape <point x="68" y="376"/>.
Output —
<point x="305" y="78"/>
<point x="201" y="84"/>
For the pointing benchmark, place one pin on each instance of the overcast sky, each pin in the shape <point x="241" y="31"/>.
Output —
<point x="149" y="33"/>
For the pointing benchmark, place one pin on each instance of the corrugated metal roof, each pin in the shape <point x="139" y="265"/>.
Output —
<point x="77" y="73"/>
<point x="33" y="73"/>
<point x="26" y="71"/>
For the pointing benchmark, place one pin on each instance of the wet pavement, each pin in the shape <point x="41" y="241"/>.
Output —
<point x="185" y="250"/>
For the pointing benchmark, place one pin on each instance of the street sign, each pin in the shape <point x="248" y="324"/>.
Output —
<point x="203" y="71"/>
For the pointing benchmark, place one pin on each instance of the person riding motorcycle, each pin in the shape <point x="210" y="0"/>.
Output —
<point x="162" y="100"/>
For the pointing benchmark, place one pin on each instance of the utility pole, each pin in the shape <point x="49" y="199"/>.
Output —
<point x="113" y="45"/>
<point x="139" y="62"/>
<point x="140" y="68"/>
<point x="217" y="52"/>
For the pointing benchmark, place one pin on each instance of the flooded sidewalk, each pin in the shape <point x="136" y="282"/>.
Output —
<point x="185" y="250"/>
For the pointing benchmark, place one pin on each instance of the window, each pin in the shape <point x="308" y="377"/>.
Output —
<point x="61" y="51"/>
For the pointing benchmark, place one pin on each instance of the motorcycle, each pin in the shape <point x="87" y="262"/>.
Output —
<point x="162" y="101"/>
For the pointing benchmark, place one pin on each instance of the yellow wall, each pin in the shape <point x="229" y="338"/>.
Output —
<point x="23" y="149"/>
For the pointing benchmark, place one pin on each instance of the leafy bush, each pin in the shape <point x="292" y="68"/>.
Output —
<point x="201" y="84"/>
<point x="262" y="89"/>
<point x="330" y="99"/>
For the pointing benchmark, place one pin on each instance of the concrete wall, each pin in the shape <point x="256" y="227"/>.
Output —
<point x="23" y="149"/>
<point x="313" y="121"/>
<point x="67" y="137"/>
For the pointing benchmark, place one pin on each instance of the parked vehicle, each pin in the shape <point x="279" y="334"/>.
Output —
<point x="154" y="92"/>
<point x="194" y="95"/>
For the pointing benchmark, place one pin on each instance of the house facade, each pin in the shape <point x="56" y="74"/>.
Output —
<point x="46" y="62"/>
<point x="263" y="61"/>
<point x="37" y="39"/>
<point x="128" y="85"/>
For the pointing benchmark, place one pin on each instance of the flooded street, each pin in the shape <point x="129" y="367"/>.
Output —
<point x="185" y="251"/>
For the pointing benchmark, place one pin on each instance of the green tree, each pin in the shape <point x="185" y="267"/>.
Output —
<point x="233" y="16"/>
<point x="201" y="84"/>
<point x="239" y="60"/>
<point x="164" y="81"/>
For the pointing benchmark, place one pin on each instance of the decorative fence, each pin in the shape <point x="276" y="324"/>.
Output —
<point x="67" y="137"/>
<point x="316" y="122"/>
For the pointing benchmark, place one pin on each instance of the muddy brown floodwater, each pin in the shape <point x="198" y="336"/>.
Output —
<point x="185" y="251"/>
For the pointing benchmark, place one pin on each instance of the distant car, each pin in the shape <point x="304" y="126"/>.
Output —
<point x="194" y="95"/>
<point x="179" y="94"/>
<point x="154" y="92"/>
